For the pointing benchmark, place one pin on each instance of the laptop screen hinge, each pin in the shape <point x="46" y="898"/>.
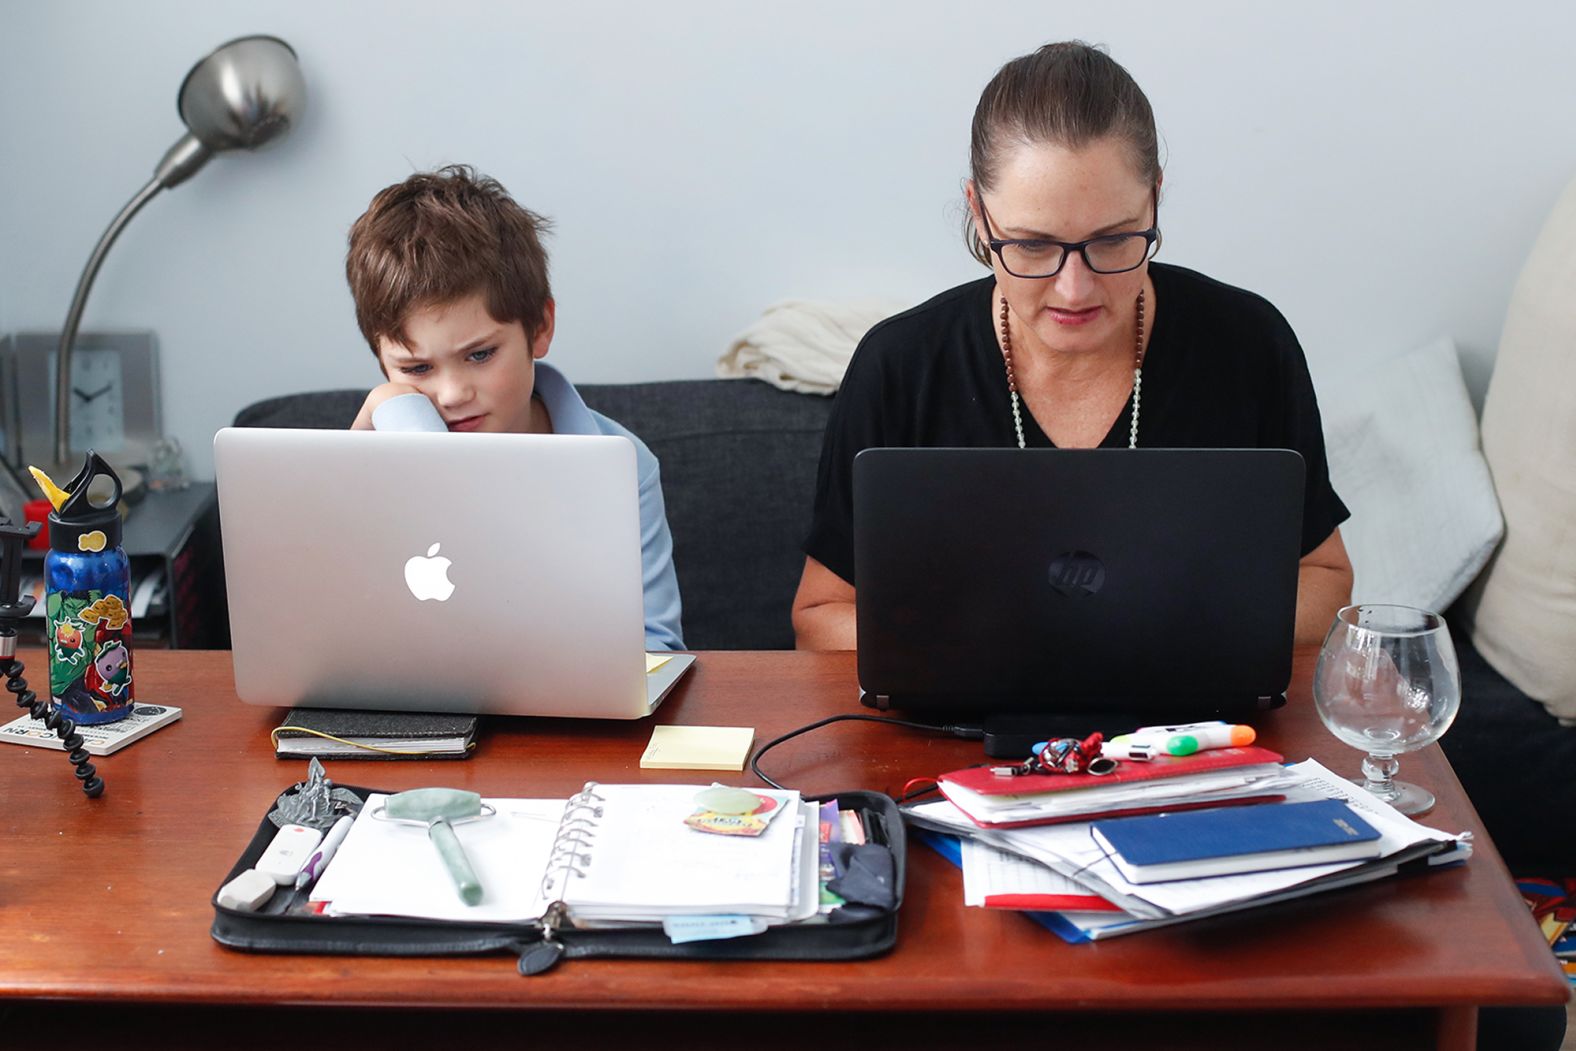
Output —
<point x="881" y="702"/>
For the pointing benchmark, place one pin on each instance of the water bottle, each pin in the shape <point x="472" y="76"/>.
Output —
<point x="87" y="601"/>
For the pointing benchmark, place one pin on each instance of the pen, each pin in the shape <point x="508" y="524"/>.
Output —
<point x="325" y="852"/>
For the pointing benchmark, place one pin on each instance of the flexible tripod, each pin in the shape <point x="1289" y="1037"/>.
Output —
<point x="12" y="610"/>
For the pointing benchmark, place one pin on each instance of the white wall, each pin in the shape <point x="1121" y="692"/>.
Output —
<point x="1378" y="171"/>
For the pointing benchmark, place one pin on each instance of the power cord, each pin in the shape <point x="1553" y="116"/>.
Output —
<point x="968" y="733"/>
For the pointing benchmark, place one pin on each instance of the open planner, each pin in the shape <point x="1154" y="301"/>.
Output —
<point x="612" y="855"/>
<point x="615" y="870"/>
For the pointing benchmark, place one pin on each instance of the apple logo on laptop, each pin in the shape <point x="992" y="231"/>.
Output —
<point x="428" y="576"/>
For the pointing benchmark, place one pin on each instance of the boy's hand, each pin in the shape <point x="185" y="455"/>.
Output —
<point x="375" y="397"/>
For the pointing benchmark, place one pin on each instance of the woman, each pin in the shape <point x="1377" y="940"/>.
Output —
<point x="1077" y="340"/>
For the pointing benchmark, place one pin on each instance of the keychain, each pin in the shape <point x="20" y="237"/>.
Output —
<point x="1063" y="755"/>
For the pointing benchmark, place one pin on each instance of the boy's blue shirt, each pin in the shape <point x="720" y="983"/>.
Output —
<point x="659" y="584"/>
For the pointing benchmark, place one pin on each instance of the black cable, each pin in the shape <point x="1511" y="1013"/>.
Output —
<point x="53" y="717"/>
<point x="972" y="733"/>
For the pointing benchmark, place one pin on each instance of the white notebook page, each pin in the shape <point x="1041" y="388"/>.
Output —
<point x="645" y="862"/>
<point x="388" y="869"/>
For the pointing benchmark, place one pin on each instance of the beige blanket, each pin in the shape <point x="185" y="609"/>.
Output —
<point x="803" y="346"/>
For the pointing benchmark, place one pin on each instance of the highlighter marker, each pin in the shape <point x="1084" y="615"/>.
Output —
<point x="1196" y="737"/>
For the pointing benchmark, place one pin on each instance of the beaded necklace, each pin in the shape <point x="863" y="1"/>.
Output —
<point x="1138" y="372"/>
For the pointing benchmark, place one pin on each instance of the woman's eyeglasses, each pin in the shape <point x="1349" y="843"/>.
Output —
<point x="1041" y="257"/>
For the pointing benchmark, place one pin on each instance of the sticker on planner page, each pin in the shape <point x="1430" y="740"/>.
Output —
<point x="726" y="824"/>
<point x="727" y="811"/>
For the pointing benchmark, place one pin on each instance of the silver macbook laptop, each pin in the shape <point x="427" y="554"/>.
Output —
<point x="436" y="572"/>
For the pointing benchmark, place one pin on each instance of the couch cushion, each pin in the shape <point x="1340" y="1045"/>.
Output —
<point x="1403" y="448"/>
<point x="317" y="410"/>
<point x="738" y="475"/>
<point x="1515" y="762"/>
<point x="1523" y="609"/>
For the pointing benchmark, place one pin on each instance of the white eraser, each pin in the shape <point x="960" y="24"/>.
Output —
<point x="247" y="891"/>
<point x="292" y="846"/>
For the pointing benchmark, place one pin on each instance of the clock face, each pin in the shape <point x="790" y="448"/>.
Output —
<point x="98" y="401"/>
<point x="114" y="394"/>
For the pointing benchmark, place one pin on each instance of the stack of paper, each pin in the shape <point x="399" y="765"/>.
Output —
<point x="1070" y="850"/>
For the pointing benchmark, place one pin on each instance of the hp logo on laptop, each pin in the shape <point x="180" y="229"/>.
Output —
<point x="1075" y="573"/>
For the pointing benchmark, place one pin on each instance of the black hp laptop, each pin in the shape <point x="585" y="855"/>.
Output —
<point x="1153" y="581"/>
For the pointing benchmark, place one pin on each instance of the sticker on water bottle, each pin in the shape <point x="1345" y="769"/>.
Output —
<point x="90" y="655"/>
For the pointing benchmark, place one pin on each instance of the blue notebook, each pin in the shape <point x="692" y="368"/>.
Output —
<point x="1230" y="840"/>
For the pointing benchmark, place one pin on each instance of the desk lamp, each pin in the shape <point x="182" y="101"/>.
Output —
<point x="243" y="95"/>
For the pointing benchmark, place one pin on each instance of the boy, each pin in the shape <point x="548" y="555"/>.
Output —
<point x="450" y="283"/>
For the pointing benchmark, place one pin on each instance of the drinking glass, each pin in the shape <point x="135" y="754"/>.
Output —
<point x="1388" y="682"/>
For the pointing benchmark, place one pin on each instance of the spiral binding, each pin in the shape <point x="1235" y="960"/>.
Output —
<point x="571" y="853"/>
<point x="43" y="710"/>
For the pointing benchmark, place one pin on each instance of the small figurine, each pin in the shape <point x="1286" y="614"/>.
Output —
<point x="316" y="802"/>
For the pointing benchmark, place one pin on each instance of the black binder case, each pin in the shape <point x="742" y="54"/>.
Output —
<point x="542" y="944"/>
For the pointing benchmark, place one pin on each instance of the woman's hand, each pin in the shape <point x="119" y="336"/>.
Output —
<point x="375" y="397"/>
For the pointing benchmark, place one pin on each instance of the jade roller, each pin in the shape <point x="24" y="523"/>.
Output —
<point x="440" y="809"/>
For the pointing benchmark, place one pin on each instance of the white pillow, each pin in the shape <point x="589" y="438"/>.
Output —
<point x="1403" y="446"/>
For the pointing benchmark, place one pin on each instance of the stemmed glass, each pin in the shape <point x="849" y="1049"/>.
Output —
<point x="1388" y="682"/>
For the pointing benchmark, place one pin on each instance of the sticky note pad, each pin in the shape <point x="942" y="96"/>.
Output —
<point x="655" y="661"/>
<point x="698" y="748"/>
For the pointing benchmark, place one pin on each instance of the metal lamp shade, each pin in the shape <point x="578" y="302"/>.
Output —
<point x="244" y="94"/>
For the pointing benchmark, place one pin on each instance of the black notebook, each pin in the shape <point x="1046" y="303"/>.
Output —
<point x="352" y="734"/>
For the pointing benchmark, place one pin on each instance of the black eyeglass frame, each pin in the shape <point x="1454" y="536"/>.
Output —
<point x="1151" y="236"/>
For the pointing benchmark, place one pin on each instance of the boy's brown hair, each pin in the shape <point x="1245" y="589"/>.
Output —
<point x="437" y="238"/>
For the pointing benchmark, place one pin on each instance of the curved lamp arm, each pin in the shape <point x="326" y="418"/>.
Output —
<point x="242" y="95"/>
<point x="180" y="162"/>
<point x="68" y="335"/>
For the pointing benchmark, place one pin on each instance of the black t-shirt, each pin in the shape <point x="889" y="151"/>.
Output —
<point x="1223" y="371"/>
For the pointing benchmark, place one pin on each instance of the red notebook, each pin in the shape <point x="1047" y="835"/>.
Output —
<point x="1045" y="799"/>
<point x="980" y="779"/>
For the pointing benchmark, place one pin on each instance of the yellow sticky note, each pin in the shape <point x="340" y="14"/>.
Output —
<point x="655" y="661"/>
<point x="698" y="748"/>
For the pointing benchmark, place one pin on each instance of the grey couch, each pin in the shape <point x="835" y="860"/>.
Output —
<point x="738" y="475"/>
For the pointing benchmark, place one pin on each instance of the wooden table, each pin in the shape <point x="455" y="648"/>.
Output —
<point x="104" y="908"/>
